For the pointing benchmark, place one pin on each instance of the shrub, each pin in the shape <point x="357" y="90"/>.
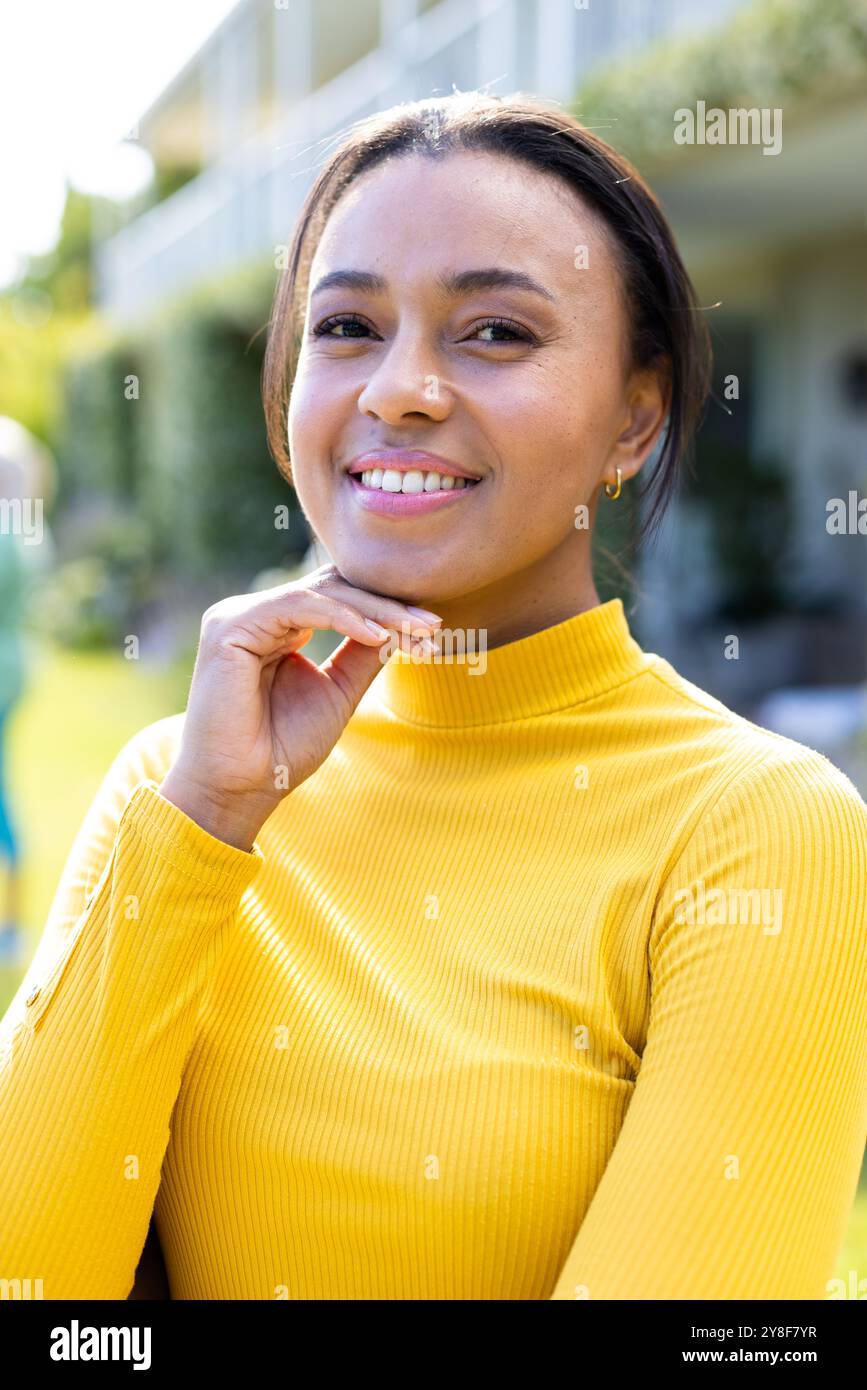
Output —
<point x="97" y="595"/>
<point x="184" y="443"/>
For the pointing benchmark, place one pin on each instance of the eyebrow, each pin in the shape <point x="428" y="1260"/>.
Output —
<point x="452" y="286"/>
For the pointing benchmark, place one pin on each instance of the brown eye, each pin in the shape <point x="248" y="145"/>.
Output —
<point x="322" y="330"/>
<point x="518" y="334"/>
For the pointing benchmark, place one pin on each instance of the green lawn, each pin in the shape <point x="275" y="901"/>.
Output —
<point x="78" y="712"/>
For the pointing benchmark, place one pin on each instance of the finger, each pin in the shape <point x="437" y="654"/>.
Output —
<point x="328" y="578"/>
<point x="339" y="616"/>
<point x="347" y="617"/>
<point x="295" y="640"/>
<point x="277" y="623"/>
<point x="387" y="611"/>
<point x="299" y="637"/>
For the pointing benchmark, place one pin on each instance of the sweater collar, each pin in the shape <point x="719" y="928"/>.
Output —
<point x="553" y="669"/>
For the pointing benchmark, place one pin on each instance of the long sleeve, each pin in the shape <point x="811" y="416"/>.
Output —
<point x="92" y="1046"/>
<point x="735" y="1170"/>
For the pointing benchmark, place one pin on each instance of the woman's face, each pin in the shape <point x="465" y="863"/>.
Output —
<point x="539" y="410"/>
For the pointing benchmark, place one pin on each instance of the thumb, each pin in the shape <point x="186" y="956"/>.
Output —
<point x="353" y="667"/>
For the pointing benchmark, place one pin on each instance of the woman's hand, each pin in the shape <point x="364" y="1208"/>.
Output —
<point x="261" y="717"/>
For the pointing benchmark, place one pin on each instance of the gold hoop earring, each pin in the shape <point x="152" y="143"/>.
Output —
<point x="616" y="493"/>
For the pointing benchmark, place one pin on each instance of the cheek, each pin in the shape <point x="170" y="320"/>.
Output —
<point x="318" y="388"/>
<point x="305" y="411"/>
<point x="569" y="391"/>
<point x="310" y="449"/>
<point x="559" y="419"/>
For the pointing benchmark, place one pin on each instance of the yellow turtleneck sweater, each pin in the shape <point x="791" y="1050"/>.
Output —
<point x="550" y="983"/>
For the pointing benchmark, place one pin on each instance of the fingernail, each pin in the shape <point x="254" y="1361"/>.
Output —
<point x="380" y="632"/>
<point x="424" y="613"/>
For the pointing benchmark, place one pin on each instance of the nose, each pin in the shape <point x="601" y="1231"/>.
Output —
<point x="407" y="381"/>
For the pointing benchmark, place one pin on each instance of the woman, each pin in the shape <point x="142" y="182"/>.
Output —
<point x="513" y="966"/>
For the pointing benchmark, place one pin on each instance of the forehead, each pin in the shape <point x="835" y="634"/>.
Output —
<point x="464" y="208"/>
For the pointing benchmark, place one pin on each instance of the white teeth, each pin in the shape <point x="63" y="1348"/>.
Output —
<point x="414" y="480"/>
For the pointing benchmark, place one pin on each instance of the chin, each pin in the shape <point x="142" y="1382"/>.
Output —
<point x="402" y="579"/>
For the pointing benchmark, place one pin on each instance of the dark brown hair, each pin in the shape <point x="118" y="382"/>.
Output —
<point x="667" y="324"/>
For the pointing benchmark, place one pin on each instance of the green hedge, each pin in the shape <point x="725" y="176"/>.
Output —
<point x="771" y="53"/>
<point x="168" y="421"/>
<point x="99" y="438"/>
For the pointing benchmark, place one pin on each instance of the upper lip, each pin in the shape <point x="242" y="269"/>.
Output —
<point x="405" y="459"/>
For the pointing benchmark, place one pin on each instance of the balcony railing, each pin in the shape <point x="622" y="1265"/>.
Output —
<point x="240" y="209"/>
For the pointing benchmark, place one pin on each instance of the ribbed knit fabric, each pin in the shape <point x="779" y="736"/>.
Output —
<point x="550" y="983"/>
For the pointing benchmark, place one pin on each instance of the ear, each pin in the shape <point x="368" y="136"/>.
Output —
<point x="648" y="396"/>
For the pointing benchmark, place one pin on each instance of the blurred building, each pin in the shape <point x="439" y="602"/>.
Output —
<point x="245" y="123"/>
<point x="776" y="239"/>
<point x="778" y="242"/>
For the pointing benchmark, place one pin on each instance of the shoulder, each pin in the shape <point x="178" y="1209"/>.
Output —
<point x="783" y="845"/>
<point x="794" y="798"/>
<point x="771" y="810"/>
<point x="790" y="825"/>
<point x="755" y="755"/>
<point x="146" y="756"/>
<point x="153" y="748"/>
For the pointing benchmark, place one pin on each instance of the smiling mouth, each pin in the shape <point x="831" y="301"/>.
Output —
<point x="411" y="481"/>
<point x="408" y="492"/>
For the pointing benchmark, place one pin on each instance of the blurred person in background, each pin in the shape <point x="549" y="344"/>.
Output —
<point x="25" y="469"/>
